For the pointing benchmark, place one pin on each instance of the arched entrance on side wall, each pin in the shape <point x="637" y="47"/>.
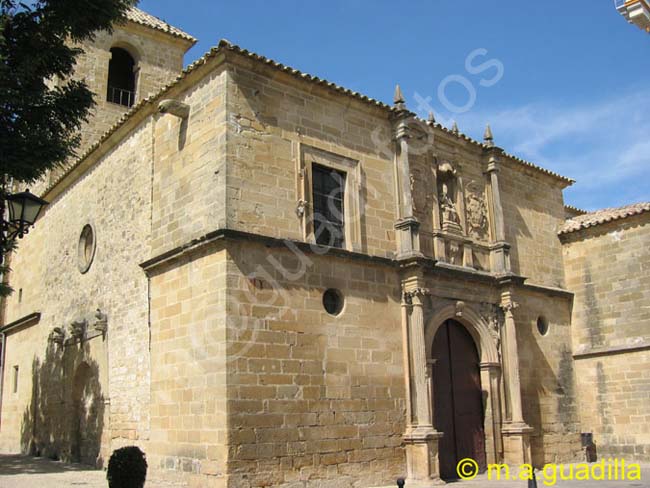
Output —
<point x="458" y="402"/>
<point x="86" y="430"/>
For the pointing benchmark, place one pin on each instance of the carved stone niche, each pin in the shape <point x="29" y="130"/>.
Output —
<point x="448" y="192"/>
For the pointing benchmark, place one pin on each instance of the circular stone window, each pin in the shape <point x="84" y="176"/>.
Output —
<point x="542" y="325"/>
<point x="333" y="301"/>
<point x="86" y="248"/>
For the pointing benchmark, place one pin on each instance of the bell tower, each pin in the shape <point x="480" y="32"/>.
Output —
<point x="136" y="60"/>
<point x="140" y="56"/>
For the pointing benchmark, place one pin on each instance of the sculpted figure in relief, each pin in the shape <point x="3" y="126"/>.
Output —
<point x="449" y="212"/>
<point x="476" y="213"/>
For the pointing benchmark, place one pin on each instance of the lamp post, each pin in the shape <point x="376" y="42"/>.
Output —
<point x="24" y="208"/>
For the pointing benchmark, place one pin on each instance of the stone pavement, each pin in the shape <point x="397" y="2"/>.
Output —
<point x="18" y="471"/>
<point x="483" y="481"/>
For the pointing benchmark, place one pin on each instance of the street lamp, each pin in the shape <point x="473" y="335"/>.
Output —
<point x="24" y="209"/>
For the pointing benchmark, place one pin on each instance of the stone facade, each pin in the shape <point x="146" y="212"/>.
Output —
<point x="607" y="266"/>
<point x="198" y="330"/>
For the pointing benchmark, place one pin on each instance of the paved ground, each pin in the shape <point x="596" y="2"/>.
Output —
<point x="28" y="472"/>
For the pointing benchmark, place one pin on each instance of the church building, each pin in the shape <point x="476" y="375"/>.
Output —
<point x="264" y="279"/>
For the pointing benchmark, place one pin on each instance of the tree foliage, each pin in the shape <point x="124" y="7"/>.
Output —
<point x="41" y="106"/>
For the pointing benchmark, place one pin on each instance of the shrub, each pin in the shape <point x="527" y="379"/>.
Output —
<point x="127" y="468"/>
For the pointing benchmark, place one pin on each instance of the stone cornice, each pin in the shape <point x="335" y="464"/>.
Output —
<point x="199" y="244"/>
<point x="608" y="351"/>
<point x="31" y="319"/>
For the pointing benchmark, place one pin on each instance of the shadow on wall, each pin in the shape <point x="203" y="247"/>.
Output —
<point x="65" y="418"/>
<point x="516" y="221"/>
<point x="593" y="318"/>
<point x="550" y="405"/>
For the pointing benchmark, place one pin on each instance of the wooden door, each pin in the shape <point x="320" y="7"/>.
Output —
<point x="458" y="403"/>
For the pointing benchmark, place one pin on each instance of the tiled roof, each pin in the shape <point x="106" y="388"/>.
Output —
<point x="523" y="162"/>
<point x="143" y="18"/>
<point x="333" y="86"/>
<point x="225" y="45"/>
<point x="603" y="216"/>
<point x="575" y="210"/>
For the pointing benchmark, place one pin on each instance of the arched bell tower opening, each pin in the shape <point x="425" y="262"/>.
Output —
<point x="121" y="78"/>
<point x="458" y="400"/>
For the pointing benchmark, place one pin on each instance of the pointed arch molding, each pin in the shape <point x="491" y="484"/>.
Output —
<point x="477" y="327"/>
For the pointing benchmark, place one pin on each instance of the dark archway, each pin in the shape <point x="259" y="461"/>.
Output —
<point x="121" y="78"/>
<point x="458" y="403"/>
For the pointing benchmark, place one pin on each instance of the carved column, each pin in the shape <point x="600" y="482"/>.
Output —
<point x="468" y="258"/>
<point x="408" y="227"/>
<point x="421" y="439"/>
<point x="419" y="359"/>
<point x="516" y="433"/>
<point x="500" y="249"/>
<point x="438" y="241"/>
<point x="407" y="362"/>
<point x="490" y="378"/>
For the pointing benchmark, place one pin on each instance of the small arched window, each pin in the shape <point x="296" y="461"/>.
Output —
<point x="121" y="78"/>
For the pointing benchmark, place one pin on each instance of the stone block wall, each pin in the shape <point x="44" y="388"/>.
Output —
<point x="188" y="373"/>
<point x="312" y="397"/>
<point x="21" y="355"/>
<point x="548" y="379"/>
<point x="272" y="119"/>
<point x="607" y="267"/>
<point x="533" y="211"/>
<point x="189" y="174"/>
<point x="614" y="391"/>
<point x="114" y="197"/>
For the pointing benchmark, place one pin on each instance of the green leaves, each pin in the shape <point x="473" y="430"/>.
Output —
<point x="41" y="107"/>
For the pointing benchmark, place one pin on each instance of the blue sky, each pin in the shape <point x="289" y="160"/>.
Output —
<point x="562" y="83"/>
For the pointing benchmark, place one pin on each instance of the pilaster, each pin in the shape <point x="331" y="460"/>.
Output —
<point x="420" y="438"/>
<point x="499" y="248"/>
<point x="407" y="226"/>
<point x="516" y="433"/>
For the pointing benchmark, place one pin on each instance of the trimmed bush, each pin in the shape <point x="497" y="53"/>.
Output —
<point x="127" y="468"/>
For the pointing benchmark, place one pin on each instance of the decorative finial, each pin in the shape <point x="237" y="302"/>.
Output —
<point x="398" y="98"/>
<point x="454" y="128"/>
<point x="488" y="138"/>
<point x="432" y="118"/>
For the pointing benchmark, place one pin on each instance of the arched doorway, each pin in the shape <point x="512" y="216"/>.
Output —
<point x="86" y="427"/>
<point x="458" y="403"/>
